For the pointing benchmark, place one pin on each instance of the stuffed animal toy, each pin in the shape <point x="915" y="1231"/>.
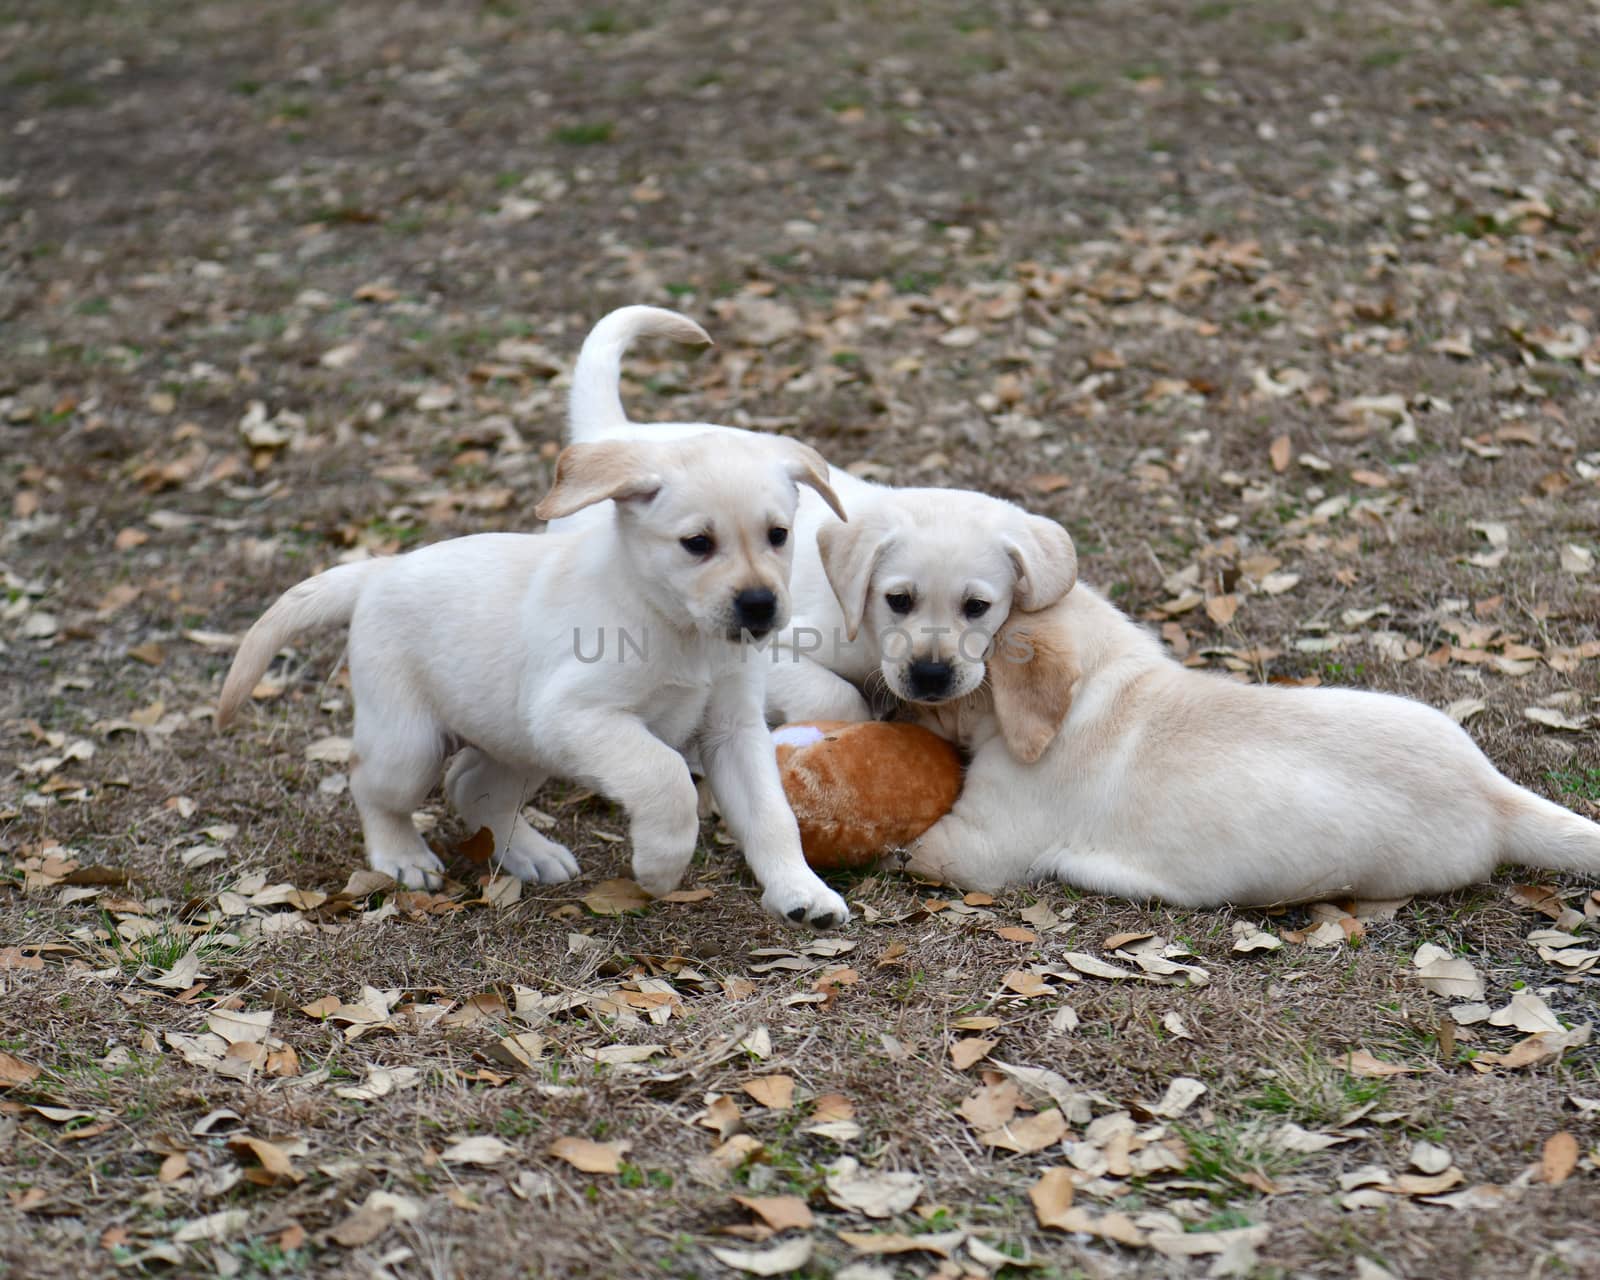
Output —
<point x="862" y="789"/>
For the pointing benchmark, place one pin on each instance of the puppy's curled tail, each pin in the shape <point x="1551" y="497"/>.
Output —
<point x="596" y="402"/>
<point x="327" y="598"/>
<point x="1540" y="833"/>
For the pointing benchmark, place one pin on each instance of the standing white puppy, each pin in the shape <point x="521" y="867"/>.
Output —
<point x="598" y="655"/>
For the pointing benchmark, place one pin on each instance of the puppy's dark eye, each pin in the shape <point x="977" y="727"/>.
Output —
<point x="777" y="536"/>
<point x="699" y="545"/>
<point x="975" y="608"/>
<point x="898" y="601"/>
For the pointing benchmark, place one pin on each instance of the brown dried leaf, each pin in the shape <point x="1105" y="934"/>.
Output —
<point x="1052" y="1196"/>
<point x="963" y="1053"/>
<point x="1033" y="1134"/>
<point x="1358" y="1062"/>
<point x="361" y="1228"/>
<point x="781" y="1213"/>
<point x="833" y="1106"/>
<point x="616" y="897"/>
<point x="1025" y="984"/>
<point x="590" y="1157"/>
<point x="1220" y="609"/>
<point x="776" y="1092"/>
<point x="14" y="1072"/>
<point x="722" y="1117"/>
<point x="273" y="1159"/>
<point x="991" y="1106"/>
<point x="877" y="1243"/>
<point x="1559" y="1159"/>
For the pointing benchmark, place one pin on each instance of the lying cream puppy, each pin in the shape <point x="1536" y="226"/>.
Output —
<point x="1100" y="761"/>
<point x="597" y="655"/>
<point x="906" y="595"/>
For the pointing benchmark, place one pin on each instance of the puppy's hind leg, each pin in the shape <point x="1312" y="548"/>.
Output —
<point x="489" y="794"/>
<point x="1118" y="876"/>
<point x="393" y="765"/>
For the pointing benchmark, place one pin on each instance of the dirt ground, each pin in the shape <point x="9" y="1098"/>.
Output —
<point x="1286" y="310"/>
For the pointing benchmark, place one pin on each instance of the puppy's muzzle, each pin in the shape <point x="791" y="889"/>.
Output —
<point x="756" y="608"/>
<point x="929" y="681"/>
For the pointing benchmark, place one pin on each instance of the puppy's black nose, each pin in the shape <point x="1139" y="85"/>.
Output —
<point x="929" y="679"/>
<point x="757" y="608"/>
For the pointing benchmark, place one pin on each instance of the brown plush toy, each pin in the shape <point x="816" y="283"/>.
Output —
<point x="862" y="789"/>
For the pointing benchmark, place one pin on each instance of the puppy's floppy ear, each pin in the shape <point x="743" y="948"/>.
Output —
<point x="808" y="467"/>
<point x="850" y="555"/>
<point x="591" y="473"/>
<point x="1032" y="671"/>
<point x="1046" y="562"/>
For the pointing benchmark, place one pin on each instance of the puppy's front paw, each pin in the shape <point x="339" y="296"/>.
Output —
<point x="663" y="851"/>
<point x="534" y="859"/>
<point x="812" y="904"/>
<point x="415" y="870"/>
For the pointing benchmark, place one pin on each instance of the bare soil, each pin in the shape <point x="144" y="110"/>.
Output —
<point x="1095" y="257"/>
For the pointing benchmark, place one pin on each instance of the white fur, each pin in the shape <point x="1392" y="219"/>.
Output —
<point x="941" y="546"/>
<point x="470" y="643"/>
<point x="1162" y="782"/>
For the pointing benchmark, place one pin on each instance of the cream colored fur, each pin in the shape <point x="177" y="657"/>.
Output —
<point x="477" y="646"/>
<point x="1104" y="763"/>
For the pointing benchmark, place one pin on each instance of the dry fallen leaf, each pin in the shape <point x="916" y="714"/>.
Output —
<point x="963" y="1053"/>
<point x="1576" y="560"/>
<point x="990" y="1106"/>
<point x="1445" y="975"/>
<point x="1430" y="1158"/>
<point x="1052" y="1196"/>
<point x="1220" y="609"/>
<point x="877" y="1195"/>
<point x="1552" y="718"/>
<point x="1359" y="1062"/>
<point x="1027" y="985"/>
<point x="1527" y="1013"/>
<point x="483" y="1149"/>
<point x="1033" y="1134"/>
<point x="1248" y="937"/>
<point x="590" y="1157"/>
<point x="1093" y="966"/>
<point x="775" y="1092"/>
<point x="276" y="1166"/>
<point x="781" y="1259"/>
<point x="781" y="1213"/>
<point x="616" y="897"/>
<point x="1559" y="1159"/>
<point x="1181" y="1094"/>
<point x="1426" y="1184"/>
<point x="215" y="1227"/>
<point x="14" y="1072"/>
<point x="1546" y="1046"/>
<point x="877" y="1243"/>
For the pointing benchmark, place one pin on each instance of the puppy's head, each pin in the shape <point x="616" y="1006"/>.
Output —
<point x="928" y="576"/>
<point x="704" y="520"/>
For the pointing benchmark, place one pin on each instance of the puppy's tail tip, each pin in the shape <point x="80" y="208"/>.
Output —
<point x="327" y="598"/>
<point x="596" y="402"/>
<point x="1541" y="833"/>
